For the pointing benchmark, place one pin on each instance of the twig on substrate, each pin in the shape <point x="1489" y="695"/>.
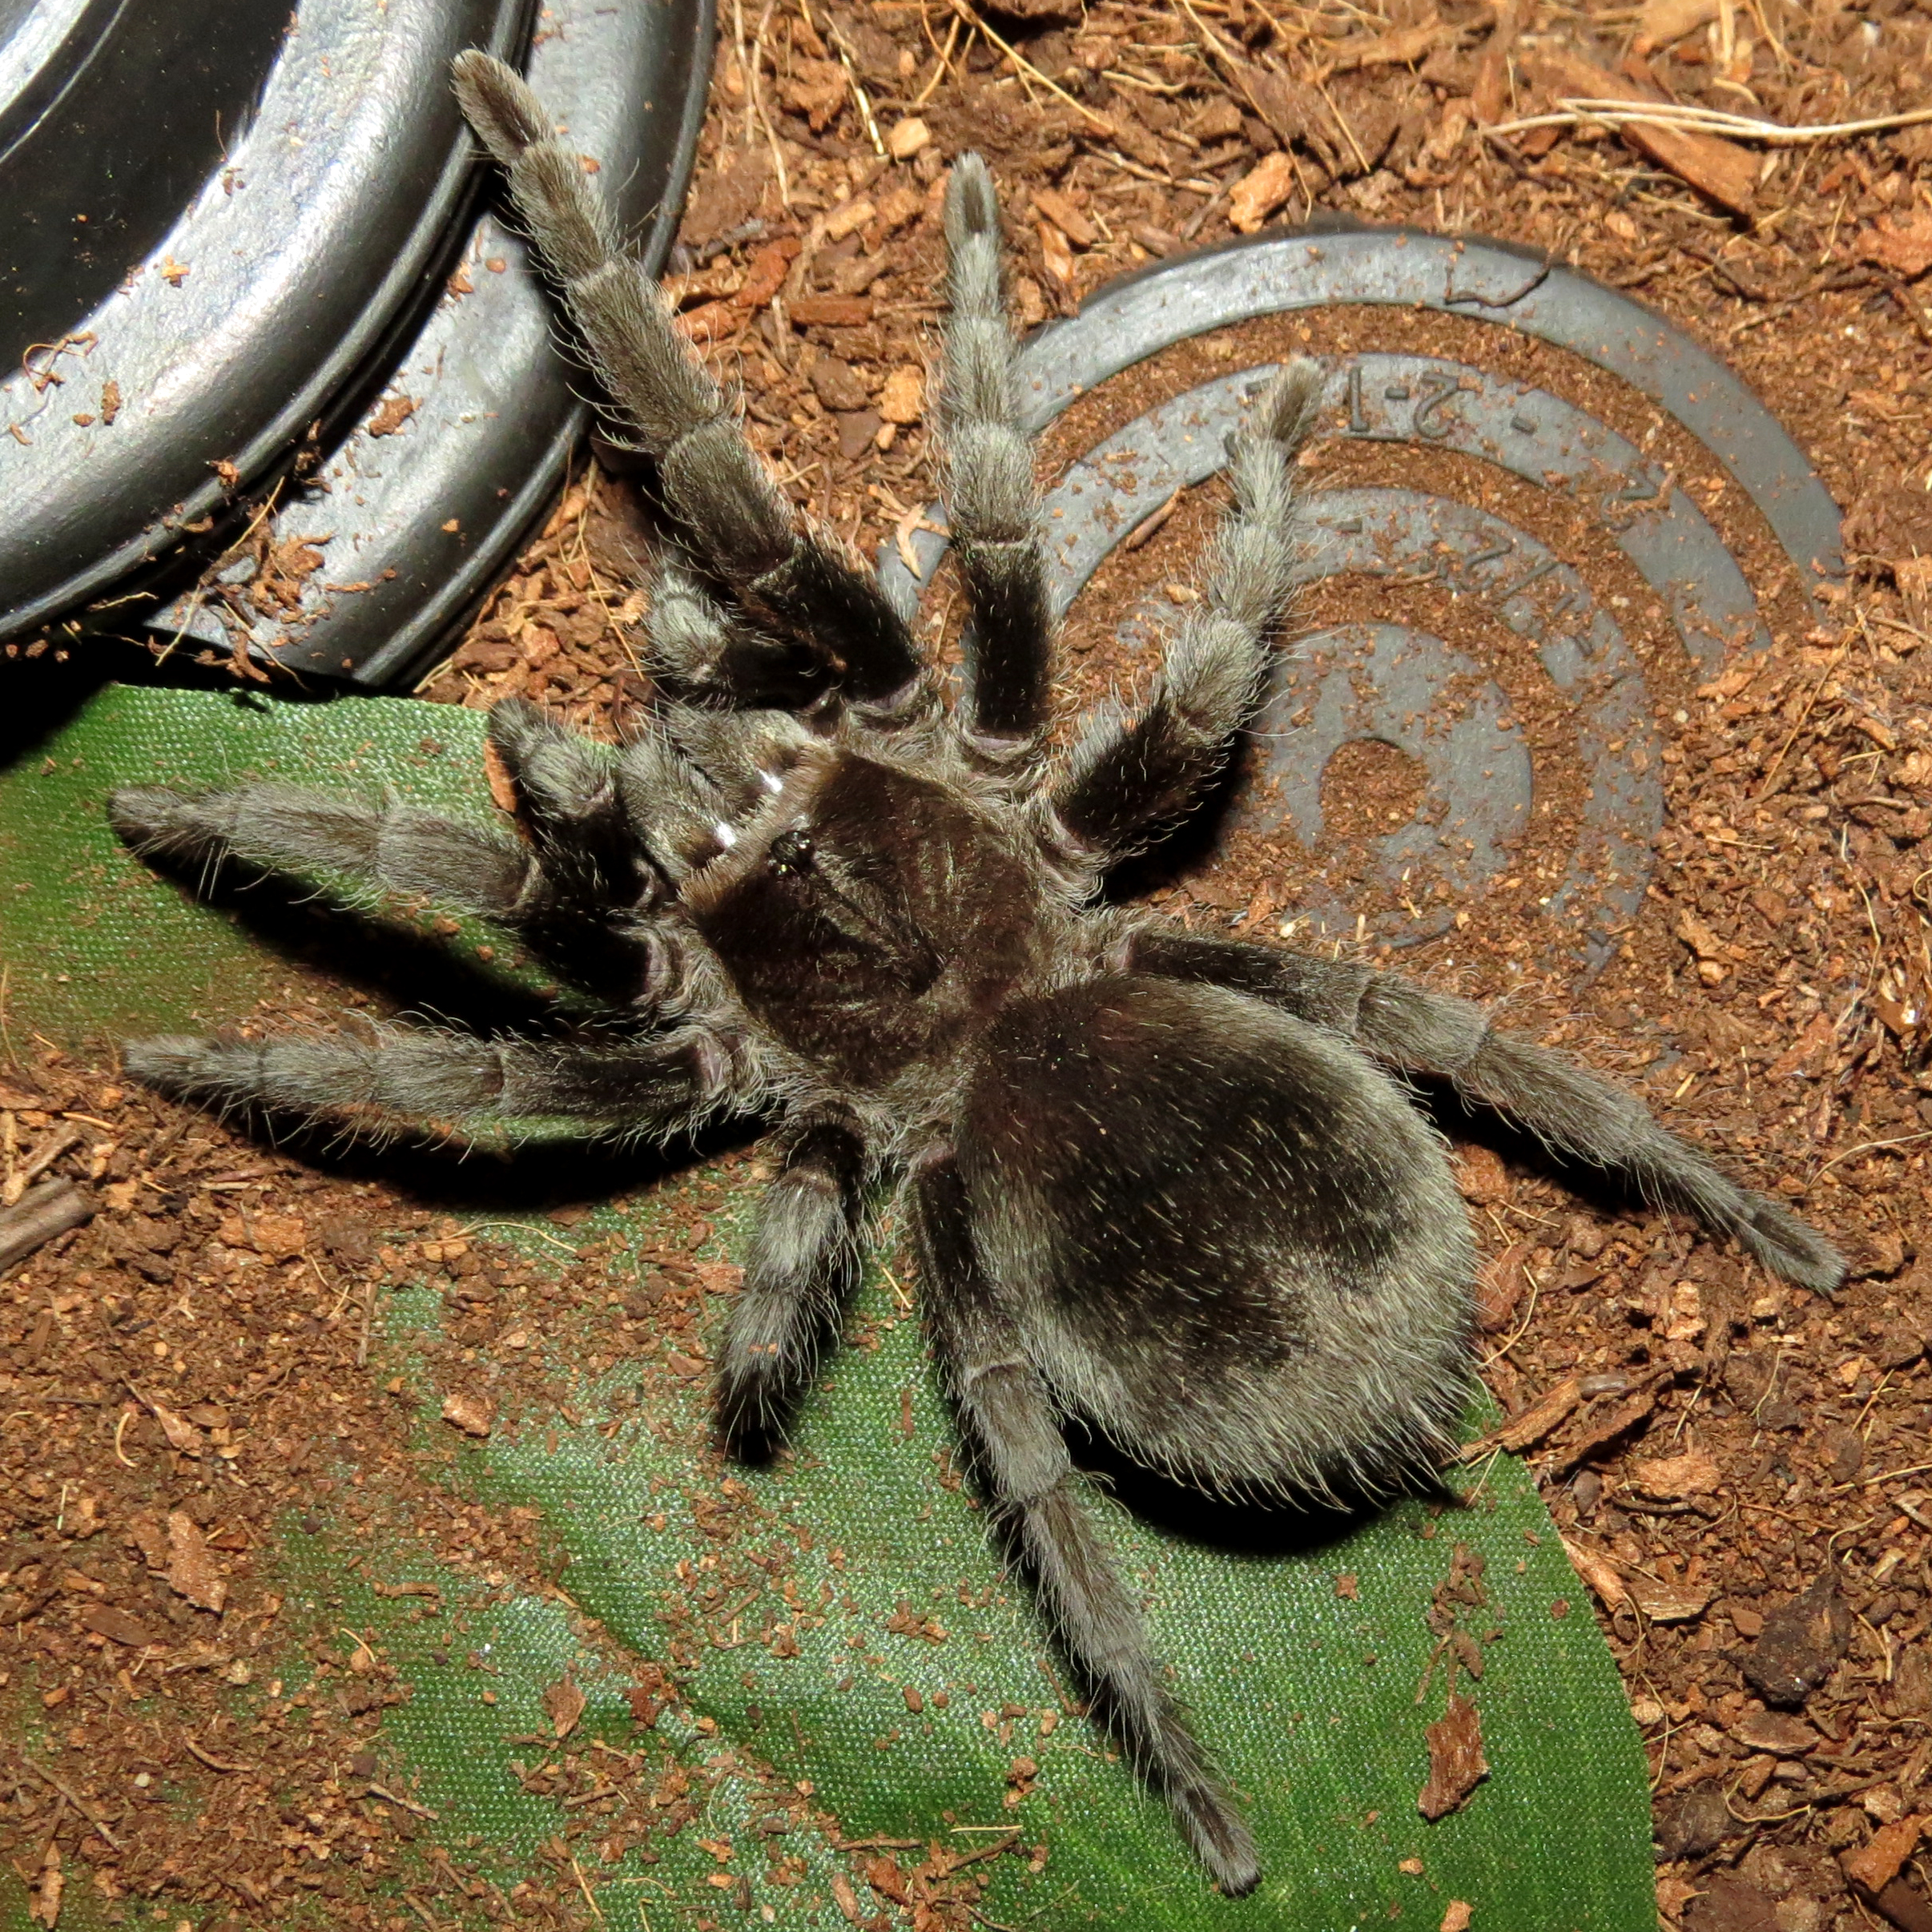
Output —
<point x="41" y="1214"/>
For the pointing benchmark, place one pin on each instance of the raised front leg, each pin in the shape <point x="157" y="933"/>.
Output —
<point x="1573" y="1112"/>
<point x="1000" y="1395"/>
<point x="1128" y="778"/>
<point x="992" y="507"/>
<point x="803" y="1266"/>
<point x="796" y="582"/>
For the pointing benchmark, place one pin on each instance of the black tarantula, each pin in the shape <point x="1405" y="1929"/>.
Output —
<point x="1175" y="1185"/>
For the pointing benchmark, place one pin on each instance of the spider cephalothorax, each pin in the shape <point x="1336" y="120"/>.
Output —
<point x="1160" y="1182"/>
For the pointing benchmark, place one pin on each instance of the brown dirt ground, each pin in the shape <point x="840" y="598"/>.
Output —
<point x="1712" y="1444"/>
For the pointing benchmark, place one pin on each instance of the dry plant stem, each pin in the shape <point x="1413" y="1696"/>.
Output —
<point x="40" y="1214"/>
<point x="860" y="99"/>
<point x="1580" y="112"/>
<point x="754" y="82"/>
<point x="944" y="66"/>
<point x="1023" y="66"/>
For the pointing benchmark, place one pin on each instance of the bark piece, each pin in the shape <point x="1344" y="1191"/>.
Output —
<point x="565" y="1704"/>
<point x="192" y="1572"/>
<point x="1669" y="1478"/>
<point x="1723" y="170"/>
<point x="1456" y="1763"/>
<point x="116" y="1626"/>
<point x="1546" y="1413"/>
<point x="473" y="1415"/>
<point x="1395" y="48"/>
<point x="1772" y="1730"/>
<point x="1664" y="21"/>
<point x="1902" y="243"/>
<point x="1259" y="193"/>
<point x="829" y="311"/>
<point x="1905" y="1906"/>
<point x="1670" y="1602"/>
<point x="1599" y="1573"/>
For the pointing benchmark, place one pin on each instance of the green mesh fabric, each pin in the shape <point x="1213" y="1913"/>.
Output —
<point x="1301" y="1662"/>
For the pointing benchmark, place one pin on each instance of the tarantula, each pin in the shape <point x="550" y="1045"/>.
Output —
<point x="1171" y="1184"/>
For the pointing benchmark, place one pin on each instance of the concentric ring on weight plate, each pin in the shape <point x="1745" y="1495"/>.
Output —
<point x="1477" y="790"/>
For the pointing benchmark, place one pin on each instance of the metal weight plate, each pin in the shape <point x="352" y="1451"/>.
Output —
<point x="317" y="269"/>
<point x="415" y="522"/>
<point x="1399" y="685"/>
<point x="280" y="273"/>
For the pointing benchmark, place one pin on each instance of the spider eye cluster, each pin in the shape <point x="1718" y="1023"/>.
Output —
<point x="791" y="852"/>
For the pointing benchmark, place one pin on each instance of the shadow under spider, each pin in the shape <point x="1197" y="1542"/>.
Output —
<point x="1248" y="1527"/>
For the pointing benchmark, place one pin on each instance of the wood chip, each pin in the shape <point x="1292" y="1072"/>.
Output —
<point x="274" y="1237"/>
<point x="1259" y="193"/>
<point x="1060" y="209"/>
<point x="1533" y="1424"/>
<point x="1396" y="48"/>
<point x="1670" y="1478"/>
<point x="565" y="1704"/>
<point x="1056" y="252"/>
<point x="1670" y="1602"/>
<point x="1774" y="1731"/>
<point x="902" y="399"/>
<point x="829" y="311"/>
<point x="1722" y="170"/>
<point x="1456" y="1763"/>
<point x="848" y="216"/>
<point x="44" y="1908"/>
<point x="473" y="1415"/>
<point x="1874" y="1866"/>
<point x="1902" y="243"/>
<point x="1599" y="1573"/>
<point x="192" y="1572"/>
<point x="907" y="138"/>
<point x="182" y="1435"/>
<point x="116" y="1626"/>
<point x="1490" y="96"/>
<point x="1663" y="21"/>
<point x="1697" y="935"/>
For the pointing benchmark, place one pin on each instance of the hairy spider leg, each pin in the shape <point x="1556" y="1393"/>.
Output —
<point x="400" y="848"/>
<point x="793" y="582"/>
<point x="1130" y="777"/>
<point x="803" y="1266"/>
<point x="1577" y="1116"/>
<point x="1003" y="1400"/>
<point x="992" y="506"/>
<point x="650" y="1087"/>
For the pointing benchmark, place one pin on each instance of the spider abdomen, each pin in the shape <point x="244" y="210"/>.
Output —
<point x="1228" y="1239"/>
<point x="877" y="920"/>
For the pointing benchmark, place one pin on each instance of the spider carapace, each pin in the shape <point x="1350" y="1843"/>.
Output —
<point x="1174" y="1185"/>
<point x="874" y="922"/>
